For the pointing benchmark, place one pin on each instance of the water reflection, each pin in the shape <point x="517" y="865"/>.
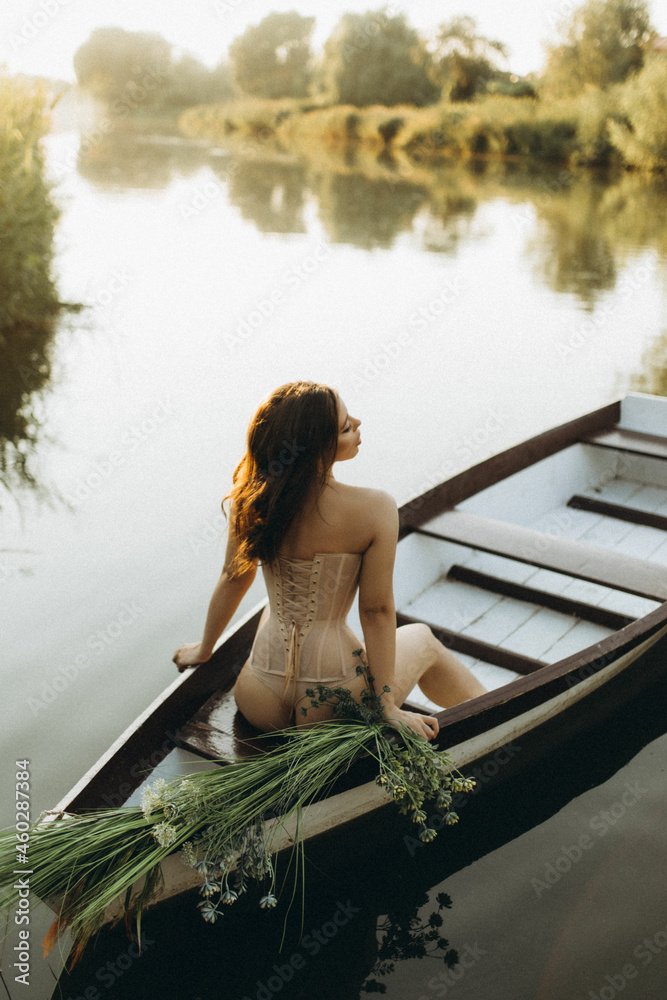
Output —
<point x="367" y="212"/>
<point x="271" y="195"/>
<point x="145" y="162"/>
<point x="588" y="225"/>
<point x="589" y="228"/>
<point x="572" y="250"/>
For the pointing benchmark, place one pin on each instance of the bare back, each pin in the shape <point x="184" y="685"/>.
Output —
<point x="345" y="519"/>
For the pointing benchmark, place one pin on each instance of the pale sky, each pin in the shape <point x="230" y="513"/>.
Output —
<point x="39" y="37"/>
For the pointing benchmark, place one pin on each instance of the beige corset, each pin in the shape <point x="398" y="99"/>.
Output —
<point x="305" y="638"/>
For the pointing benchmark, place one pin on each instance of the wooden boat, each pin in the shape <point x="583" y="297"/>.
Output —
<point x="544" y="568"/>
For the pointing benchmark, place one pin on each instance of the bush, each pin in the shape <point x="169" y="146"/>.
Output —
<point x="642" y="138"/>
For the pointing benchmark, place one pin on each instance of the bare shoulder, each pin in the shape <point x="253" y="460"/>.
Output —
<point x="375" y="509"/>
<point x="365" y="497"/>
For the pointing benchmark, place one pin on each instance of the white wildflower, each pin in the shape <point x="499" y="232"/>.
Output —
<point x="189" y="854"/>
<point x="165" y="834"/>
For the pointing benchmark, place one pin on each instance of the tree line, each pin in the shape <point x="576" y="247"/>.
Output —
<point x="369" y="58"/>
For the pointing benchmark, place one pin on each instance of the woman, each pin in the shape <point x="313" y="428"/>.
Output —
<point x="317" y="540"/>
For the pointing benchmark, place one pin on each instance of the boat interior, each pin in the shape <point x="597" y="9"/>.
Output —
<point x="549" y="560"/>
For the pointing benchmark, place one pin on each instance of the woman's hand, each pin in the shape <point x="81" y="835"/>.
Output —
<point x="425" y="726"/>
<point x="189" y="655"/>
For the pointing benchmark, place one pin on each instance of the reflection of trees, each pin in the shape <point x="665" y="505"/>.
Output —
<point x="591" y="227"/>
<point x="572" y="248"/>
<point x="367" y="212"/>
<point x="270" y="194"/>
<point x="633" y="213"/>
<point x="452" y="207"/>
<point x="653" y="377"/>
<point x="117" y="158"/>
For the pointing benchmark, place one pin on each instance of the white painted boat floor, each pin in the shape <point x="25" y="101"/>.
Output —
<point x="527" y="628"/>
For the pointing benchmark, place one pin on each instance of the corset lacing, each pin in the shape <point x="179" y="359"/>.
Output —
<point x="295" y="607"/>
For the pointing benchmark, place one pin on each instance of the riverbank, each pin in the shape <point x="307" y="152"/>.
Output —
<point x="597" y="128"/>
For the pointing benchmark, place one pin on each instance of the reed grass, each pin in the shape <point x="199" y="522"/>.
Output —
<point x="225" y="821"/>
<point x="29" y="302"/>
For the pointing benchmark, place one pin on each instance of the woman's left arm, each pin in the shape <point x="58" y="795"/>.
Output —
<point x="228" y="594"/>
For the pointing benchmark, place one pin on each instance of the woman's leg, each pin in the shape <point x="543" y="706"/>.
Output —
<point x="422" y="660"/>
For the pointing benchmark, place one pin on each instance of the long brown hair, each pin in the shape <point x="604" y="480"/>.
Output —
<point x="292" y="441"/>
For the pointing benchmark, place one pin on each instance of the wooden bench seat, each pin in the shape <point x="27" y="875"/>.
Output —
<point x="632" y="441"/>
<point x="576" y="559"/>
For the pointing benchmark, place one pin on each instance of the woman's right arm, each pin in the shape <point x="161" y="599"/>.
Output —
<point x="228" y="594"/>
<point x="377" y="614"/>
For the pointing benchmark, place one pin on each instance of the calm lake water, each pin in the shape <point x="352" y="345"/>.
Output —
<point x="457" y="311"/>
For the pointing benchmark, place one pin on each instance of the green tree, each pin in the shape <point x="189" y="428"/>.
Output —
<point x="602" y="44"/>
<point x="273" y="58"/>
<point x="463" y="60"/>
<point x="373" y="58"/>
<point x="124" y="68"/>
<point x="133" y="70"/>
<point x="642" y="139"/>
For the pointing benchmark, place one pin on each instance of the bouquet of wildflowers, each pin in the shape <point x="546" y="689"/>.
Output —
<point x="225" y="820"/>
